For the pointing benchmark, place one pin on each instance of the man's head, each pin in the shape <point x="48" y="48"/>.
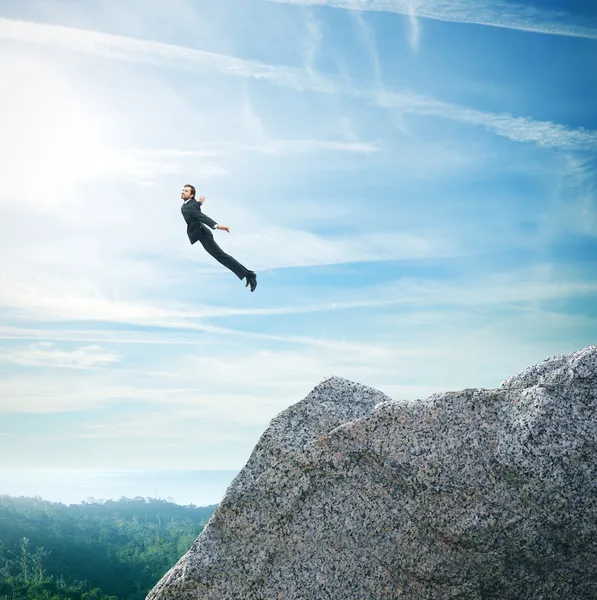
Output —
<point x="188" y="191"/>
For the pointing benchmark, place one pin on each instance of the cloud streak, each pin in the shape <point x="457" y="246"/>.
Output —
<point x="148" y="164"/>
<point x="368" y="36"/>
<point x="44" y="354"/>
<point x="520" y="129"/>
<point x="540" y="284"/>
<point x="172" y="56"/>
<point x="270" y="147"/>
<point x="313" y="41"/>
<point x="415" y="27"/>
<point x="494" y="13"/>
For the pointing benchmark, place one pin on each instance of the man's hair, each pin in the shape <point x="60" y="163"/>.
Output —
<point x="192" y="188"/>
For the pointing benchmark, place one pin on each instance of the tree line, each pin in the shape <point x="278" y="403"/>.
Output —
<point x="96" y="550"/>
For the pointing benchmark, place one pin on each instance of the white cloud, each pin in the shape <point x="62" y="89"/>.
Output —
<point x="236" y="337"/>
<point x="415" y="26"/>
<point x="253" y="126"/>
<point x="45" y="354"/>
<point x="52" y="143"/>
<point x="529" y="286"/>
<point x="522" y="129"/>
<point x="367" y="35"/>
<point x="538" y="283"/>
<point x="147" y="51"/>
<point x="208" y="160"/>
<point x="26" y="394"/>
<point x="573" y="210"/>
<point x="110" y="288"/>
<point x="296" y="248"/>
<point x="73" y="299"/>
<point x="312" y="41"/>
<point x="416" y="356"/>
<point x="147" y="167"/>
<point x="496" y="13"/>
<point x="109" y="389"/>
<point x="177" y="427"/>
<point x="68" y="300"/>
<point x="265" y="382"/>
<point x="519" y="129"/>
<point x="267" y="146"/>
<point x="120" y="258"/>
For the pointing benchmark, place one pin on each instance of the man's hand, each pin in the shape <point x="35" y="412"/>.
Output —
<point x="201" y="199"/>
<point x="223" y="227"/>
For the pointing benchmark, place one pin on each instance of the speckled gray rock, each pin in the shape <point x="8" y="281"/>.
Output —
<point x="474" y="494"/>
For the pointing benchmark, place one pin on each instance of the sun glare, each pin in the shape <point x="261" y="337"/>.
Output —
<point x="49" y="141"/>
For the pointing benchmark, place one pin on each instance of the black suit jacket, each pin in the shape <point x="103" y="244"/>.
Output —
<point x="197" y="222"/>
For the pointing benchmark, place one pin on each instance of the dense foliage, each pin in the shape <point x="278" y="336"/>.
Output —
<point x="109" y="550"/>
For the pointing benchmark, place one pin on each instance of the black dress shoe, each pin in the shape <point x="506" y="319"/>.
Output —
<point x="252" y="279"/>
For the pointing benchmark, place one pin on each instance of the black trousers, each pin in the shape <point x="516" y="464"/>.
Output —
<point x="208" y="242"/>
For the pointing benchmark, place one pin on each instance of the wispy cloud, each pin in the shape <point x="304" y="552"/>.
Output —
<point x="208" y="160"/>
<point x="177" y="433"/>
<point x="312" y="41"/>
<point x="265" y="381"/>
<point x="267" y="146"/>
<point x="367" y="35"/>
<point x="148" y="51"/>
<point x="71" y="297"/>
<point x="108" y="313"/>
<point x="42" y="395"/>
<point x="415" y="27"/>
<point x="574" y="209"/>
<point x="252" y="124"/>
<point x="179" y="423"/>
<point x="495" y="13"/>
<point x="519" y="129"/>
<point x="46" y="354"/>
<point x="75" y="304"/>
<point x="540" y="283"/>
<point x="268" y="378"/>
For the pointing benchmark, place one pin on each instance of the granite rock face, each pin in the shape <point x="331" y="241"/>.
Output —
<point x="474" y="494"/>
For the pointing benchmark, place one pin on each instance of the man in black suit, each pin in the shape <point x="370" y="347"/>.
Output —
<point x="198" y="226"/>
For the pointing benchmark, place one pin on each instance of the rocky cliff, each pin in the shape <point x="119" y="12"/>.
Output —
<point x="472" y="494"/>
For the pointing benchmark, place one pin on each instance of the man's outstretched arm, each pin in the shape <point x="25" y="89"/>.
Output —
<point x="207" y="220"/>
<point x="203" y="217"/>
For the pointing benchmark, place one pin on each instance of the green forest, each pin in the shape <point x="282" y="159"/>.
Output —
<point x="108" y="550"/>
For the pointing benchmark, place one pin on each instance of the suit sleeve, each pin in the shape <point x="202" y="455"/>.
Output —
<point x="203" y="218"/>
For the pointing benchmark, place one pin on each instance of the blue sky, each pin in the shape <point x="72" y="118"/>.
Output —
<point x="412" y="181"/>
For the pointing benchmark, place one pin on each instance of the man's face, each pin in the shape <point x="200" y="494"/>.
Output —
<point x="186" y="193"/>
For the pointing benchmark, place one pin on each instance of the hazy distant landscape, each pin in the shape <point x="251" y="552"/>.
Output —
<point x="102" y="550"/>
<point x="200" y="487"/>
